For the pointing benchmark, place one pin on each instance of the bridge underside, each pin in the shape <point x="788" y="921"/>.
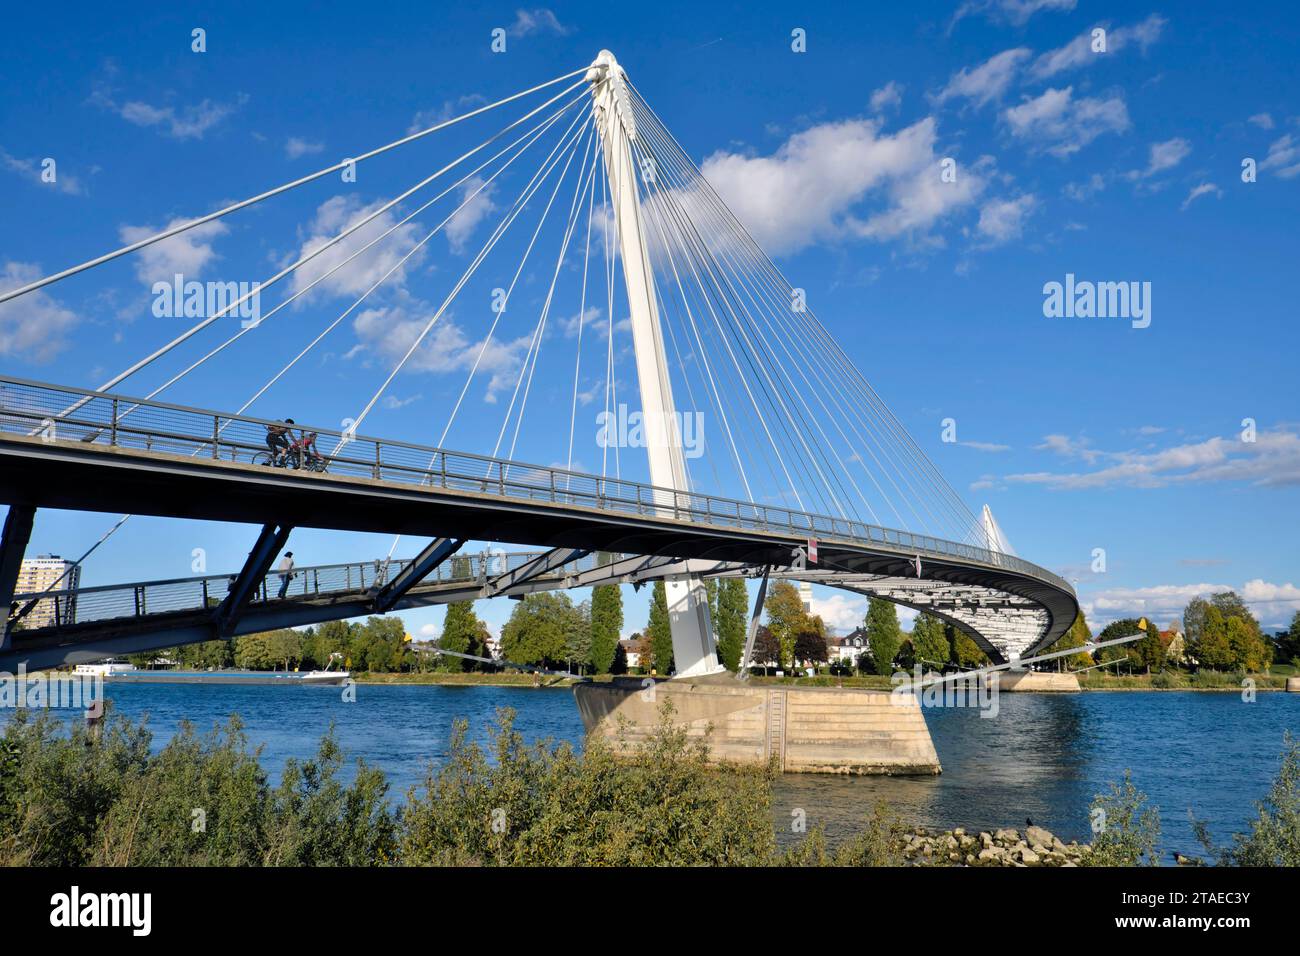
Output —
<point x="1007" y="612"/>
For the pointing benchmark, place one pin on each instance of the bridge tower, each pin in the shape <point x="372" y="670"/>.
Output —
<point x="688" y="606"/>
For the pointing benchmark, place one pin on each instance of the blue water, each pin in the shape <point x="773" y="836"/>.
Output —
<point x="1043" y="757"/>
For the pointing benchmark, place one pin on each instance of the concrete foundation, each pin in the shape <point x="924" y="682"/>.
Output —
<point x="1038" y="681"/>
<point x="1293" y="685"/>
<point x="807" y="730"/>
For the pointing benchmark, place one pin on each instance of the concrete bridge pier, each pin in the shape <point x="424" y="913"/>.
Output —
<point x="806" y="729"/>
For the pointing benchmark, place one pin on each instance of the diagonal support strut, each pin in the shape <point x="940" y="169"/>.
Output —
<point x="270" y="542"/>
<point x="434" y="554"/>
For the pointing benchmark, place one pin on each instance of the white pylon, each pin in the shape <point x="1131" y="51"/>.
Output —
<point x="688" y="606"/>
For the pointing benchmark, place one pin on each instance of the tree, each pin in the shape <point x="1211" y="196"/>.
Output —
<point x="965" y="652"/>
<point x="731" y="621"/>
<point x="930" y="641"/>
<point x="619" y="664"/>
<point x="1212" y="649"/>
<point x="1078" y="635"/>
<point x="1288" y="642"/>
<point x="883" y="634"/>
<point x="577" y="635"/>
<point x="810" y="643"/>
<point x="786" y="618"/>
<point x="460" y="633"/>
<point x="606" y="626"/>
<point x="1124" y="627"/>
<point x="1222" y="633"/>
<point x="538" y="629"/>
<point x="767" y="649"/>
<point x="659" y="632"/>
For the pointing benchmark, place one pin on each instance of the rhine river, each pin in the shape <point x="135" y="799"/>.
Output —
<point x="1043" y="757"/>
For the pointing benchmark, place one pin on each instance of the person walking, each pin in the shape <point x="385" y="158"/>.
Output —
<point x="286" y="573"/>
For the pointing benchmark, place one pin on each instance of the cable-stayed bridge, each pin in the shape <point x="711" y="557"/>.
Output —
<point x="812" y="476"/>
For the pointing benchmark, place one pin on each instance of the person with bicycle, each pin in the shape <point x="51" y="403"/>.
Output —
<point x="277" y="439"/>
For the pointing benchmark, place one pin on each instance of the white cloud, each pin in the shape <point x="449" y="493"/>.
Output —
<point x="1081" y="192"/>
<point x="984" y="446"/>
<point x="986" y="82"/>
<point x="1078" y="52"/>
<point x="1163" y="156"/>
<point x="31" y="169"/>
<point x="296" y="147"/>
<point x="1060" y="124"/>
<point x="462" y="225"/>
<point x="1284" y="156"/>
<point x="1262" y="120"/>
<point x="1201" y="190"/>
<point x="33" y="327"/>
<point x="840" y="612"/>
<point x="808" y="191"/>
<point x="189" y="253"/>
<point x="1015" y="12"/>
<point x="188" y="122"/>
<point x="888" y="96"/>
<point x="1002" y="220"/>
<point x="334" y="216"/>
<point x="1273" y="459"/>
<point x="389" y="331"/>
<point x="540" y="20"/>
<point x="1272" y="604"/>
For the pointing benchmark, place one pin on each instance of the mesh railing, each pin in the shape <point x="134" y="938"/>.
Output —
<point x="85" y="605"/>
<point x="61" y="414"/>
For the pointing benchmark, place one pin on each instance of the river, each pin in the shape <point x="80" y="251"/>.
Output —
<point x="1043" y="757"/>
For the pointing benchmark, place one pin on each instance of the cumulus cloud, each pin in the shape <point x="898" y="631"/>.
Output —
<point x="841" y="180"/>
<point x="1002" y="220"/>
<point x="840" y="612"/>
<point x="540" y="20"/>
<point x="189" y="253"/>
<point x="477" y="206"/>
<point x="1273" y="604"/>
<point x="888" y="96"/>
<point x="1061" y="125"/>
<point x="987" y="82"/>
<point x="296" y="147"/>
<point x="1078" y="52"/>
<point x="389" y="331"/>
<point x="1272" y="459"/>
<point x="33" y="327"/>
<point x="1262" y="120"/>
<point x="187" y="121"/>
<point x="334" y="216"/>
<point x="1163" y="156"/>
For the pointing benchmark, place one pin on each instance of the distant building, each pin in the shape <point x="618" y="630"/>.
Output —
<point x="849" y="647"/>
<point x="1175" y="645"/>
<point x="805" y="596"/>
<point x="39" y="574"/>
<point x="632" y="652"/>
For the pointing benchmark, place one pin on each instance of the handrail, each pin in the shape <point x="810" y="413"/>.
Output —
<point x="147" y="423"/>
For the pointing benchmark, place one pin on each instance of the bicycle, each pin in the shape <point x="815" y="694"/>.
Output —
<point x="300" y="455"/>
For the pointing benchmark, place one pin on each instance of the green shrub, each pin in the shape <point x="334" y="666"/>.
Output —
<point x="1129" y="830"/>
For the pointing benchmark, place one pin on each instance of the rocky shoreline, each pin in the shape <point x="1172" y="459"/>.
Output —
<point x="1037" y="847"/>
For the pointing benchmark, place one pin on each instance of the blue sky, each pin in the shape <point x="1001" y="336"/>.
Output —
<point x="1080" y="433"/>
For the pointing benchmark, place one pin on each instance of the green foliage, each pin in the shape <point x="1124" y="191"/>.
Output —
<point x="883" y="634"/>
<point x="540" y="629"/>
<point x="659" y="633"/>
<point x="1222" y="634"/>
<point x="460" y="632"/>
<point x="84" y="796"/>
<point x="606" y="626"/>
<point x="786" y="619"/>
<point x="1078" y="635"/>
<point x="930" y="641"/>
<point x="1274" y="837"/>
<point x="1130" y="830"/>
<point x="879" y="844"/>
<point x="540" y="804"/>
<point x="965" y="651"/>
<point x="731" y="621"/>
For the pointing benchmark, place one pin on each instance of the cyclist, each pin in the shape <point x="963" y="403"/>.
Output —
<point x="304" y="450"/>
<point x="277" y="439"/>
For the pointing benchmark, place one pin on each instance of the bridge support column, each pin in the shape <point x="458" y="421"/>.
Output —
<point x="688" y="606"/>
<point x="13" y="545"/>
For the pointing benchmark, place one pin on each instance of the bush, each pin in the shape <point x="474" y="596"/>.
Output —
<point x="1128" y="831"/>
<point x="1274" y="837"/>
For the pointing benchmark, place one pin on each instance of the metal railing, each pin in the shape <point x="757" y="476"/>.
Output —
<point x="62" y="414"/>
<point x="112" y="601"/>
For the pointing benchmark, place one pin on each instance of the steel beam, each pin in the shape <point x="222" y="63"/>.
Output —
<point x="270" y="542"/>
<point x="13" y="545"/>
<point x="544" y="563"/>
<point x="438" y="551"/>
